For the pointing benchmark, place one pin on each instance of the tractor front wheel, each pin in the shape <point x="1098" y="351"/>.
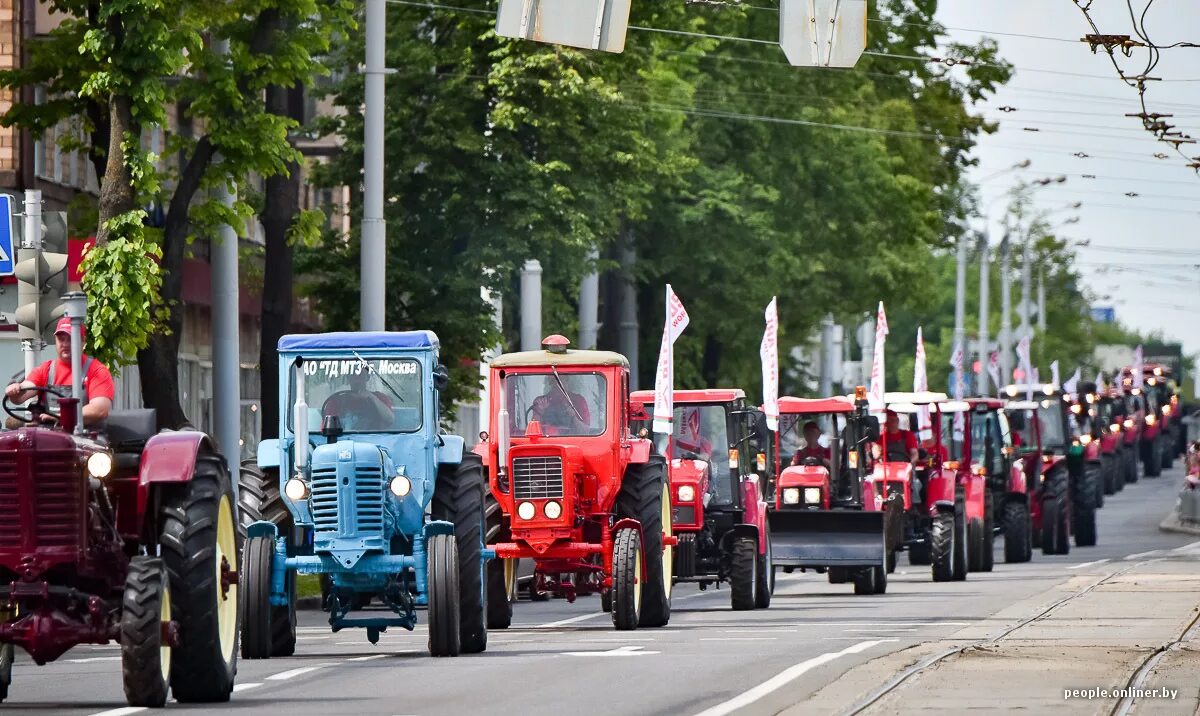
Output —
<point x="259" y="501"/>
<point x="625" y="597"/>
<point x="646" y="497"/>
<point x="960" y="540"/>
<point x="975" y="544"/>
<point x="766" y="574"/>
<point x="7" y="653"/>
<point x="918" y="554"/>
<point x="1130" y="464"/>
<point x="1018" y="527"/>
<point x="1083" y="509"/>
<point x="870" y="580"/>
<point x="461" y="497"/>
<point x="743" y="577"/>
<point x="258" y="555"/>
<point x="145" y="654"/>
<point x="838" y="575"/>
<point x="989" y="531"/>
<point x="443" y="590"/>
<point x="942" y="536"/>
<point x="199" y="548"/>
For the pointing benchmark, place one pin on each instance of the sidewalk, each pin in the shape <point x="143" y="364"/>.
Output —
<point x="1111" y="623"/>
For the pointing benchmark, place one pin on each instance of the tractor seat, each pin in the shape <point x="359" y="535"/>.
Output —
<point x="130" y="429"/>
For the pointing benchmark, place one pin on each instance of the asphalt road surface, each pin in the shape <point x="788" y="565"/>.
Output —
<point x="566" y="658"/>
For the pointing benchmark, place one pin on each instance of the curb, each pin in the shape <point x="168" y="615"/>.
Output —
<point x="1173" y="524"/>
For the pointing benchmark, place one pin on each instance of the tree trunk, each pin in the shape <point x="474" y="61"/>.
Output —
<point x="117" y="195"/>
<point x="711" y="363"/>
<point x="281" y="204"/>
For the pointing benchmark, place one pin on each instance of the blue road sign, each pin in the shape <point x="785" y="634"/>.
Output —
<point x="7" y="250"/>
<point x="1104" y="314"/>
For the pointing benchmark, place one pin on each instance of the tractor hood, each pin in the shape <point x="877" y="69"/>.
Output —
<point x="350" y="501"/>
<point x="804" y="476"/>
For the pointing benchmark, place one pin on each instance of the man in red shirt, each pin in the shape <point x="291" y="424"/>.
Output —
<point x="812" y="447"/>
<point x="98" y="388"/>
<point x="897" y="445"/>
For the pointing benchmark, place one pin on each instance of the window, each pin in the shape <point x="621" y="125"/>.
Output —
<point x="568" y="404"/>
<point x="367" y="395"/>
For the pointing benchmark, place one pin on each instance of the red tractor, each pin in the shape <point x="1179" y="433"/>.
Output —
<point x="580" y="495"/>
<point x="1144" y="407"/>
<point x="1085" y="428"/>
<point x="935" y="488"/>
<point x="1108" y="416"/>
<point x="1041" y="427"/>
<point x="826" y="515"/>
<point x="718" y="507"/>
<point x="122" y="534"/>
<point x="1008" y="492"/>
<point x="967" y="460"/>
<point x="1133" y="420"/>
<point x="1160" y="385"/>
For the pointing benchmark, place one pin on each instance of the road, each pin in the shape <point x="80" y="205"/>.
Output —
<point x="565" y="657"/>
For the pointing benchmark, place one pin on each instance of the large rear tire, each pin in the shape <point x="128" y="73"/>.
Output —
<point x="627" y="592"/>
<point x="1108" y="473"/>
<point x="199" y="548"/>
<point x="145" y="655"/>
<point x="460" y="497"/>
<point x="942" y="534"/>
<point x="1018" y="529"/>
<point x="1152" y="457"/>
<point x="743" y="573"/>
<point x="989" y="531"/>
<point x="259" y="501"/>
<point x="1130" y="461"/>
<point x="919" y="554"/>
<point x="975" y="545"/>
<point x="444" y="599"/>
<point x="257" y="612"/>
<point x="7" y="654"/>
<point x="1083" y="507"/>
<point x="645" y="496"/>
<point x="766" y="574"/>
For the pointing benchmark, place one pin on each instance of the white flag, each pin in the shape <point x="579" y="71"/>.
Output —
<point x="993" y="369"/>
<point x="1100" y="380"/>
<point x="921" y="384"/>
<point x="1072" y="383"/>
<point x="1054" y="375"/>
<point x="1138" y="366"/>
<point x="1026" y="366"/>
<point x="664" y="380"/>
<point x="768" y="353"/>
<point x="875" y="398"/>
<point x="956" y="362"/>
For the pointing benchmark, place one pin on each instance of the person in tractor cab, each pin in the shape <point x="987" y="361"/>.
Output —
<point x="98" y="387"/>
<point x="812" y="446"/>
<point x="562" y="413"/>
<point x="897" y="445"/>
<point x="359" y="408"/>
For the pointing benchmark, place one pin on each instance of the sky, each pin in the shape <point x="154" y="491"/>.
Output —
<point x="1144" y="250"/>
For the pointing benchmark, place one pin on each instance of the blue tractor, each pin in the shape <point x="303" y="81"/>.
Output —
<point x="391" y="513"/>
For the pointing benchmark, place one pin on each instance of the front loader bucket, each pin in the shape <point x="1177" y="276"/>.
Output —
<point x="826" y="538"/>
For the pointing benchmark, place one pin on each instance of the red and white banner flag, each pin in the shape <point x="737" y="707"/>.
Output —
<point x="921" y="384"/>
<point x="956" y="362"/>
<point x="993" y="369"/>
<point x="875" y="397"/>
<point x="1138" y="367"/>
<point x="768" y="353"/>
<point x="1026" y="366"/>
<point x="664" y="378"/>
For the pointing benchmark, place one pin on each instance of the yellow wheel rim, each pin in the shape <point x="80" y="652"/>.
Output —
<point x="164" y="649"/>
<point x="227" y="597"/>
<point x="637" y="582"/>
<point x="510" y="578"/>
<point x="668" y="551"/>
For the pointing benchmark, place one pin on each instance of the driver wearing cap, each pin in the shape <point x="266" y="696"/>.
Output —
<point x="98" y="388"/>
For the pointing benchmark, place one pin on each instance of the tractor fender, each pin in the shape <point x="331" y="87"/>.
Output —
<point x="639" y="451"/>
<point x="1021" y="498"/>
<point x="755" y="512"/>
<point x="169" y="458"/>
<point x="262" y="528"/>
<point x="943" y="506"/>
<point x="438" y="527"/>
<point x="740" y="530"/>
<point x="630" y="523"/>
<point x="268" y="454"/>
<point x="450" y="449"/>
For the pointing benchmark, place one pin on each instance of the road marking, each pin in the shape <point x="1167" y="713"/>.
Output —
<point x="851" y="638"/>
<point x="246" y="687"/>
<point x="371" y="657"/>
<point x="619" y="651"/>
<point x="878" y="629"/>
<point x="91" y="659"/>
<point x="1089" y="564"/>
<point x="311" y="638"/>
<point x="572" y="620"/>
<point x="1193" y="547"/>
<point x="738" y="638"/>
<point x="123" y="711"/>
<point x="1132" y="557"/>
<point x="784" y="678"/>
<point x="283" y="676"/>
<point x="760" y="631"/>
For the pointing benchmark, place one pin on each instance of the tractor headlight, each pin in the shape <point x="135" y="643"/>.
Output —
<point x="686" y="493"/>
<point x="1150" y="419"/>
<point x="400" y="486"/>
<point x="1129" y="423"/>
<point x="295" y="489"/>
<point x="526" y="511"/>
<point x="852" y="459"/>
<point x="99" y="464"/>
<point x="1115" y="427"/>
<point x="791" y="496"/>
<point x="552" y="510"/>
<point x="1085" y="439"/>
<point x="812" y="495"/>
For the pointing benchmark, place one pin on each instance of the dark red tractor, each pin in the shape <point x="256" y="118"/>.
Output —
<point x="718" y="511"/>
<point x="1160" y="385"/>
<point x="1107" y="409"/>
<point x="1133" y="422"/>
<point x="579" y="493"/>
<point x="1008" y="500"/>
<point x="1044" y="443"/>
<point x="123" y="534"/>
<point x="1144" y="407"/>
<point x="827" y="516"/>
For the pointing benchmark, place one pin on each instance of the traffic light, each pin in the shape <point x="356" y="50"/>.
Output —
<point x="42" y="279"/>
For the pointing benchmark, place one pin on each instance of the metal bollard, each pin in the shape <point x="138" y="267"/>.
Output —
<point x="1189" y="506"/>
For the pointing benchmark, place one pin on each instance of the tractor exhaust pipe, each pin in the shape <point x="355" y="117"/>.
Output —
<point x="301" y="412"/>
<point x="76" y="305"/>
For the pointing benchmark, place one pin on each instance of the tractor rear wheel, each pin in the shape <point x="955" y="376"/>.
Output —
<point x="443" y="589"/>
<point x="625" y="597"/>
<point x="743" y="573"/>
<point x="501" y="586"/>
<point x="766" y="574"/>
<point x="145" y="655"/>
<point x="960" y="539"/>
<point x="1083" y="508"/>
<point x="7" y="653"/>
<point x="870" y="580"/>
<point x="918" y="554"/>
<point x="258" y="555"/>
<point x="259" y="501"/>
<point x="646" y="497"/>
<point x="891" y="561"/>
<point x="199" y="548"/>
<point x="975" y="545"/>
<point x="1108" y="474"/>
<point x="1018" y="527"/>
<point x="1168" y="452"/>
<point x="989" y="531"/>
<point x="1129" y="459"/>
<point x="461" y="497"/>
<point x="942" y="536"/>
<point x="1152" y="457"/>
<point x="1096" y="480"/>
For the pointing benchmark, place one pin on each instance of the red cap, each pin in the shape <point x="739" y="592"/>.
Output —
<point x="64" y="326"/>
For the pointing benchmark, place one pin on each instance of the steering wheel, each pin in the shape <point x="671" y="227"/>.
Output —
<point x="812" y="462"/>
<point x="33" y="410"/>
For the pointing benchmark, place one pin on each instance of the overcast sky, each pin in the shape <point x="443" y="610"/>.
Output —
<point x="1145" y="250"/>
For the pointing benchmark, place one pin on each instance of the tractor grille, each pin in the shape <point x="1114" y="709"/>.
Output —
<point x="57" y="501"/>
<point x="364" y="514"/>
<point x="895" y="489"/>
<point x="537" y="478"/>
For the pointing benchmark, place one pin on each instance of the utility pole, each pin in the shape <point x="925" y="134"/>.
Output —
<point x="827" y="356"/>
<point x="31" y="238"/>
<point x="627" y="339"/>
<point x="589" y="304"/>
<point x="960" y="310"/>
<point x="1026" y="293"/>
<point x="531" y="305"/>
<point x="1041" y="292"/>
<point x="226" y="346"/>
<point x="1005" y="310"/>
<point x="373" y="233"/>
<point x="985" y="275"/>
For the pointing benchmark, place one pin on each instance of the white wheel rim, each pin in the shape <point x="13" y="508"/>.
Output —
<point x="510" y="578"/>
<point x="164" y="648"/>
<point x="227" y="599"/>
